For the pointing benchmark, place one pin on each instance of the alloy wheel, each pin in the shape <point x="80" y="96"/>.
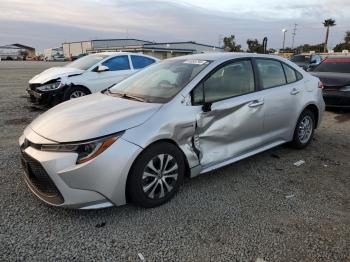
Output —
<point x="76" y="94"/>
<point x="305" y="129"/>
<point x="160" y="176"/>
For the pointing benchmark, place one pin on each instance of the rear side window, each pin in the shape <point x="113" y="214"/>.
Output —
<point x="271" y="73"/>
<point x="141" y="61"/>
<point x="291" y="74"/>
<point x="117" y="63"/>
<point x="299" y="76"/>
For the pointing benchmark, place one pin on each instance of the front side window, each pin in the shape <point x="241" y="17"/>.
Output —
<point x="234" y="79"/>
<point x="140" y="61"/>
<point x="160" y="82"/>
<point x="117" y="63"/>
<point x="271" y="73"/>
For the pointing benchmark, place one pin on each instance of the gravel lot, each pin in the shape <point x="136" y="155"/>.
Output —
<point x="261" y="207"/>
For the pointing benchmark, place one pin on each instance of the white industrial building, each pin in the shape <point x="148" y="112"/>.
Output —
<point x="158" y="50"/>
<point x="52" y="53"/>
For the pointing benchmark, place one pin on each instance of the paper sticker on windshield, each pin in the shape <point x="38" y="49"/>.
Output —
<point x="196" y="62"/>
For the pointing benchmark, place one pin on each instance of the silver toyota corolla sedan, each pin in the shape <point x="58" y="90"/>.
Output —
<point x="181" y="117"/>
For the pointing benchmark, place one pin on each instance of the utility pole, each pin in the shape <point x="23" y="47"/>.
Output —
<point x="293" y="34"/>
<point x="220" y="43"/>
<point x="284" y="38"/>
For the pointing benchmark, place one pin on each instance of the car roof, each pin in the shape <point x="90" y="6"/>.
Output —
<point x="122" y="53"/>
<point x="222" y="56"/>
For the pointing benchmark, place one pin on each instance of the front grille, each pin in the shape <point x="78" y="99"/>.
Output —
<point x="40" y="181"/>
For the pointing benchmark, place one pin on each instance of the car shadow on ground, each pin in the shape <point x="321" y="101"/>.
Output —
<point x="342" y="114"/>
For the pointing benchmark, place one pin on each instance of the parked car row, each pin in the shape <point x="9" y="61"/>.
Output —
<point x="137" y="140"/>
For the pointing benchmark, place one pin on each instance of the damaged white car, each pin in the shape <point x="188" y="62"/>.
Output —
<point x="183" y="116"/>
<point x="89" y="74"/>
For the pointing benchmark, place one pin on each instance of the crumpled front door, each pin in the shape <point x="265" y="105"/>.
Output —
<point x="232" y="128"/>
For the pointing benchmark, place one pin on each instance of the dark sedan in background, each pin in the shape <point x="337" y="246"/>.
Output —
<point x="307" y="61"/>
<point x="334" y="73"/>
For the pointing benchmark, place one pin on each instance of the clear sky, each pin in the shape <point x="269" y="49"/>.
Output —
<point x="48" y="23"/>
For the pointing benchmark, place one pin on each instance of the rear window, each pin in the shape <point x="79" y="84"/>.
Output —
<point x="335" y="65"/>
<point x="300" y="58"/>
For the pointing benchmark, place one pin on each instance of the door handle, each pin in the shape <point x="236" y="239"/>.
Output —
<point x="294" y="91"/>
<point x="256" y="103"/>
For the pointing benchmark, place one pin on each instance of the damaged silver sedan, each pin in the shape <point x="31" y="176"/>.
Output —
<point x="181" y="117"/>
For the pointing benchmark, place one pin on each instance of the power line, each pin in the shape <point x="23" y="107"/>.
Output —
<point x="293" y="34"/>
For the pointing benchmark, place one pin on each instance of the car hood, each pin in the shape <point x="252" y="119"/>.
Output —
<point x="55" y="73"/>
<point x="90" y="117"/>
<point x="333" y="79"/>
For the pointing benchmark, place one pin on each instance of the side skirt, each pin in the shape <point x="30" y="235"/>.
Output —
<point x="196" y="170"/>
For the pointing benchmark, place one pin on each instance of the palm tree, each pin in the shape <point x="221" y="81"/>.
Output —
<point x="347" y="37"/>
<point x="327" y="23"/>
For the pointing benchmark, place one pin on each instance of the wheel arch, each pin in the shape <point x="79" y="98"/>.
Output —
<point x="166" y="140"/>
<point x="314" y="109"/>
<point x="81" y="86"/>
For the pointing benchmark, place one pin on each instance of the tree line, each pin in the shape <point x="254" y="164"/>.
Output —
<point x="254" y="46"/>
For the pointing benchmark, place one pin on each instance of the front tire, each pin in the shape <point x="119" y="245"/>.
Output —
<point x="304" y="130"/>
<point x="75" y="92"/>
<point x="156" y="175"/>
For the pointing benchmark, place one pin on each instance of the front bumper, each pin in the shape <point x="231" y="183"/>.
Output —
<point x="336" y="98"/>
<point x="56" y="179"/>
<point x="46" y="98"/>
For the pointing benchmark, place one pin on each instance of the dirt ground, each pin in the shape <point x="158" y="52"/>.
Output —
<point x="261" y="207"/>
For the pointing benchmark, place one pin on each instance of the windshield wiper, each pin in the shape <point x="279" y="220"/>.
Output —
<point x="128" y="96"/>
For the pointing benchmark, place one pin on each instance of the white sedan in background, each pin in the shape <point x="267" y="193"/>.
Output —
<point x="89" y="74"/>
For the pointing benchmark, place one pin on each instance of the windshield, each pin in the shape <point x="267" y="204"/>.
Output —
<point x="336" y="65"/>
<point x="299" y="58"/>
<point x="160" y="82"/>
<point x="86" y="62"/>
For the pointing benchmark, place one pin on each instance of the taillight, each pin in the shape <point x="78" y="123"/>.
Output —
<point x="320" y="85"/>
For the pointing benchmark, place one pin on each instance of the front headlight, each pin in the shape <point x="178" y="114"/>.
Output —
<point x="345" y="89"/>
<point x="49" y="87"/>
<point x="86" y="151"/>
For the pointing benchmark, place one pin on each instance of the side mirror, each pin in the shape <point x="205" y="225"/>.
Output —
<point x="102" y="68"/>
<point x="206" y="107"/>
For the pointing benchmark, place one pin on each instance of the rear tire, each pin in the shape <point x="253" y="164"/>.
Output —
<point x="156" y="175"/>
<point x="304" y="130"/>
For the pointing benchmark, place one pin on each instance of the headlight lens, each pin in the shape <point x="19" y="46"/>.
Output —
<point x="49" y="87"/>
<point x="345" y="89"/>
<point x="86" y="151"/>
